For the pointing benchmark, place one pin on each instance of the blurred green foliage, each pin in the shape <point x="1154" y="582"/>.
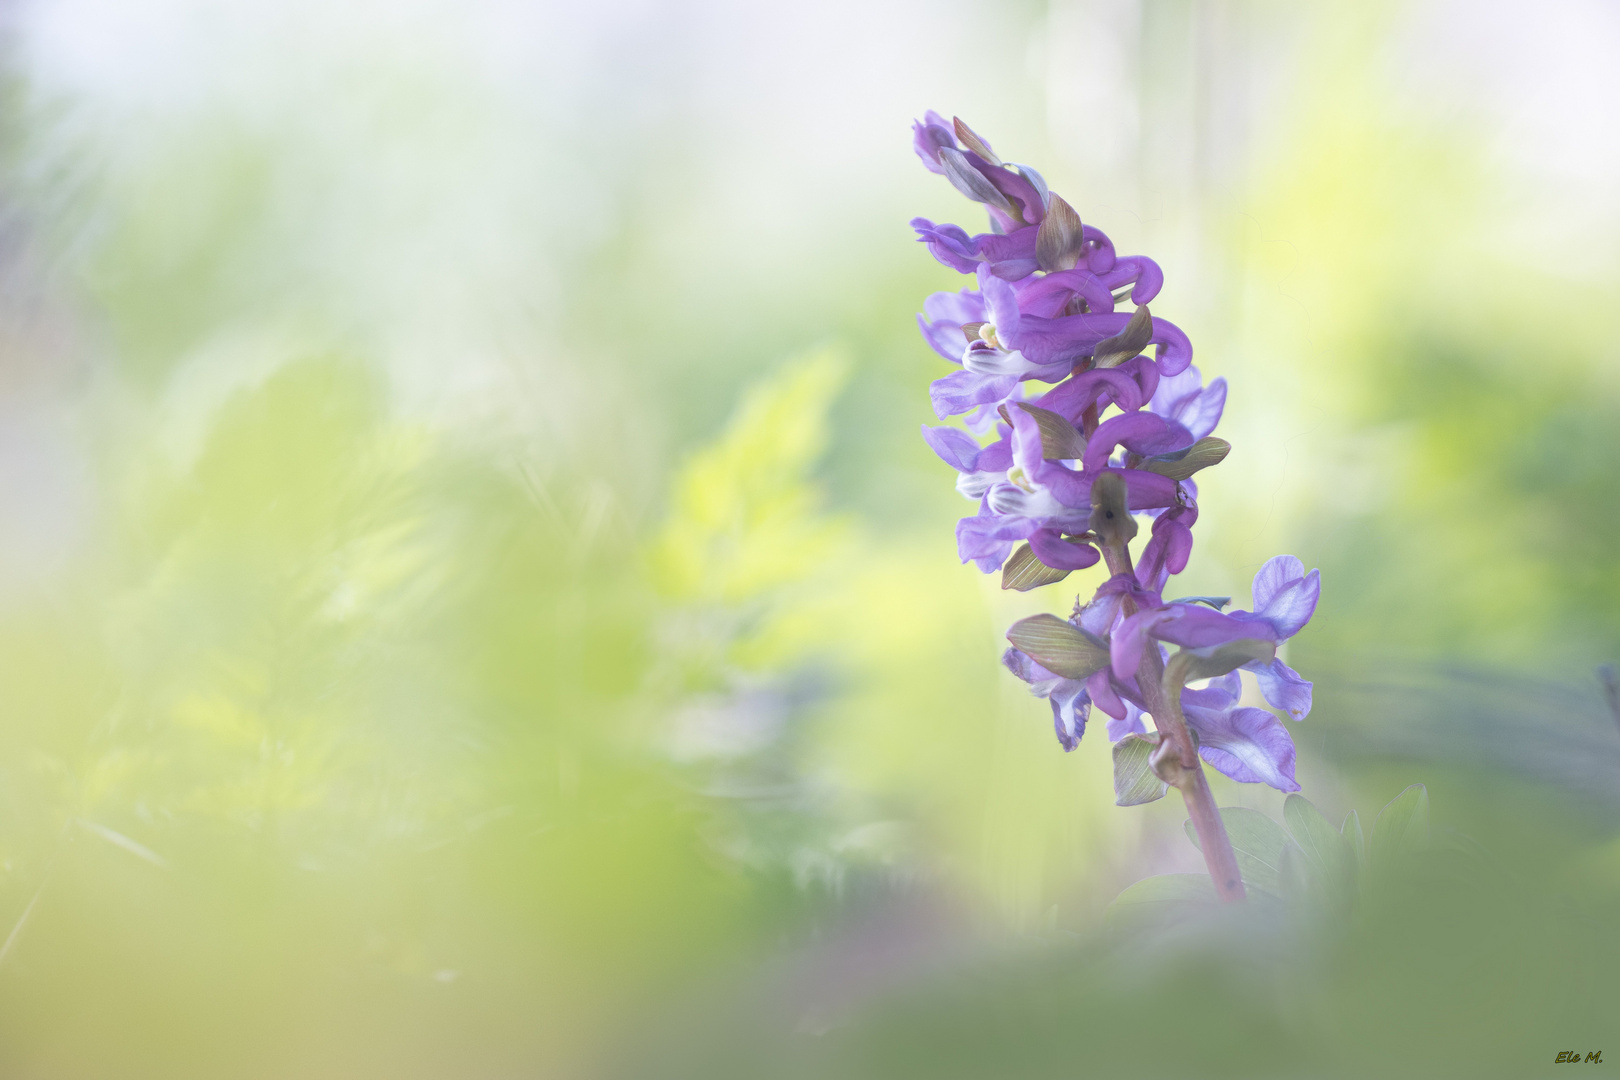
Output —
<point x="475" y="654"/>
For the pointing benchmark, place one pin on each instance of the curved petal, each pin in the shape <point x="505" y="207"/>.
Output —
<point x="1071" y="706"/>
<point x="1126" y="644"/>
<point x="1195" y="626"/>
<point x="1148" y="278"/>
<point x="1142" y="433"/>
<point x="1221" y="693"/>
<point x="1103" y="695"/>
<point x="1249" y="745"/>
<point x="955" y="447"/>
<point x="929" y="135"/>
<point x="1285" y="596"/>
<point x="1058" y="553"/>
<point x="963" y="306"/>
<point x="1278" y="572"/>
<point x="987" y="538"/>
<point x="1184" y="399"/>
<point x="950" y="244"/>
<point x="1073" y="396"/>
<point x="1283" y="688"/>
<point x="961" y="391"/>
<point x="1167" y="552"/>
<point x="1049" y="294"/>
<point x="1129" y="724"/>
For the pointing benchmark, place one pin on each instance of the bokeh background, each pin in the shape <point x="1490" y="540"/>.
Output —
<point x="474" y="602"/>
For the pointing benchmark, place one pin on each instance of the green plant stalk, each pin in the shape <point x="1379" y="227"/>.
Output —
<point x="1180" y="766"/>
<point x="1186" y="772"/>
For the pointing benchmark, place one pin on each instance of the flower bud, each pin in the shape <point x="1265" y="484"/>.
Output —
<point x="1110" y="519"/>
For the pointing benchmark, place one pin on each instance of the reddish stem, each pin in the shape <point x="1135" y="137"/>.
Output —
<point x="1161" y="688"/>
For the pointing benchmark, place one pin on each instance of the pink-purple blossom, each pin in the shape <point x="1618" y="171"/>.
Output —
<point x="1056" y="387"/>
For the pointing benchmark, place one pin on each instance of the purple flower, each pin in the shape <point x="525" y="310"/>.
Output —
<point x="1125" y="402"/>
<point x="1009" y="255"/>
<point x="1185" y="400"/>
<point x="1247" y="744"/>
<point x="1071" y="705"/>
<point x="1285" y="597"/>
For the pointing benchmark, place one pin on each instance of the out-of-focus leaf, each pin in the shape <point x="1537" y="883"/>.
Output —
<point x="1328" y="854"/>
<point x="1200" y="455"/>
<point x="745" y="517"/>
<point x="1023" y="571"/>
<point x="1060" y="647"/>
<point x="1161" y="899"/>
<point x="1351" y="831"/>
<point x="1059" y="439"/>
<point x="1138" y="333"/>
<point x="1257" y="841"/>
<point x="1402" y="827"/>
<point x="1293" y="876"/>
<point x="1135" y="782"/>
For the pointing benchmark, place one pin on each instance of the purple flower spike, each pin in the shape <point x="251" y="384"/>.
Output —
<point x="1127" y="421"/>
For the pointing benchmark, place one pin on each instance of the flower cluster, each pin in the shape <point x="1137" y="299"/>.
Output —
<point x="1090" y="431"/>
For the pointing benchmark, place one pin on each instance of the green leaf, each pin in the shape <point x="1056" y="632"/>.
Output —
<point x="1137" y="335"/>
<point x="1351" y="831"/>
<point x="1160" y="899"/>
<point x="1060" y="441"/>
<point x="1216" y="660"/>
<point x="1402" y="827"/>
<point x="1060" y="647"/>
<point x="1293" y="876"/>
<point x="1182" y="464"/>
<point x="1024" y="571"/>
<point x="1327" y="853"/>
<point x="1135" y="782"/>
<point x="1257" y="841"/>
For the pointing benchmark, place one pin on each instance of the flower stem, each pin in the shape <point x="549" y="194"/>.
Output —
<point x="1161" y="687"/>
<point x="1188" y="772"/>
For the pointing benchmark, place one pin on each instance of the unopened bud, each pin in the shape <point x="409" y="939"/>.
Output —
<point x="1110" y="516"/>
<point x="971" y="141"/>
<point x="1060" y="241"/>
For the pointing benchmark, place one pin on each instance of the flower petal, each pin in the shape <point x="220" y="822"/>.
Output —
<point x="1142" y="433"/>
<point x="1283" y="688"/>
<point x="1249" y="745"/>
<point x="1290" y="607"/>
<point x="1070" y="709"/>
<point x="955" y="447"/>
<point x="1060" y="554"/>
<point x="1129" y="724"/>
<point x="1103" y="695"/>
<point x="961" y="391"/>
